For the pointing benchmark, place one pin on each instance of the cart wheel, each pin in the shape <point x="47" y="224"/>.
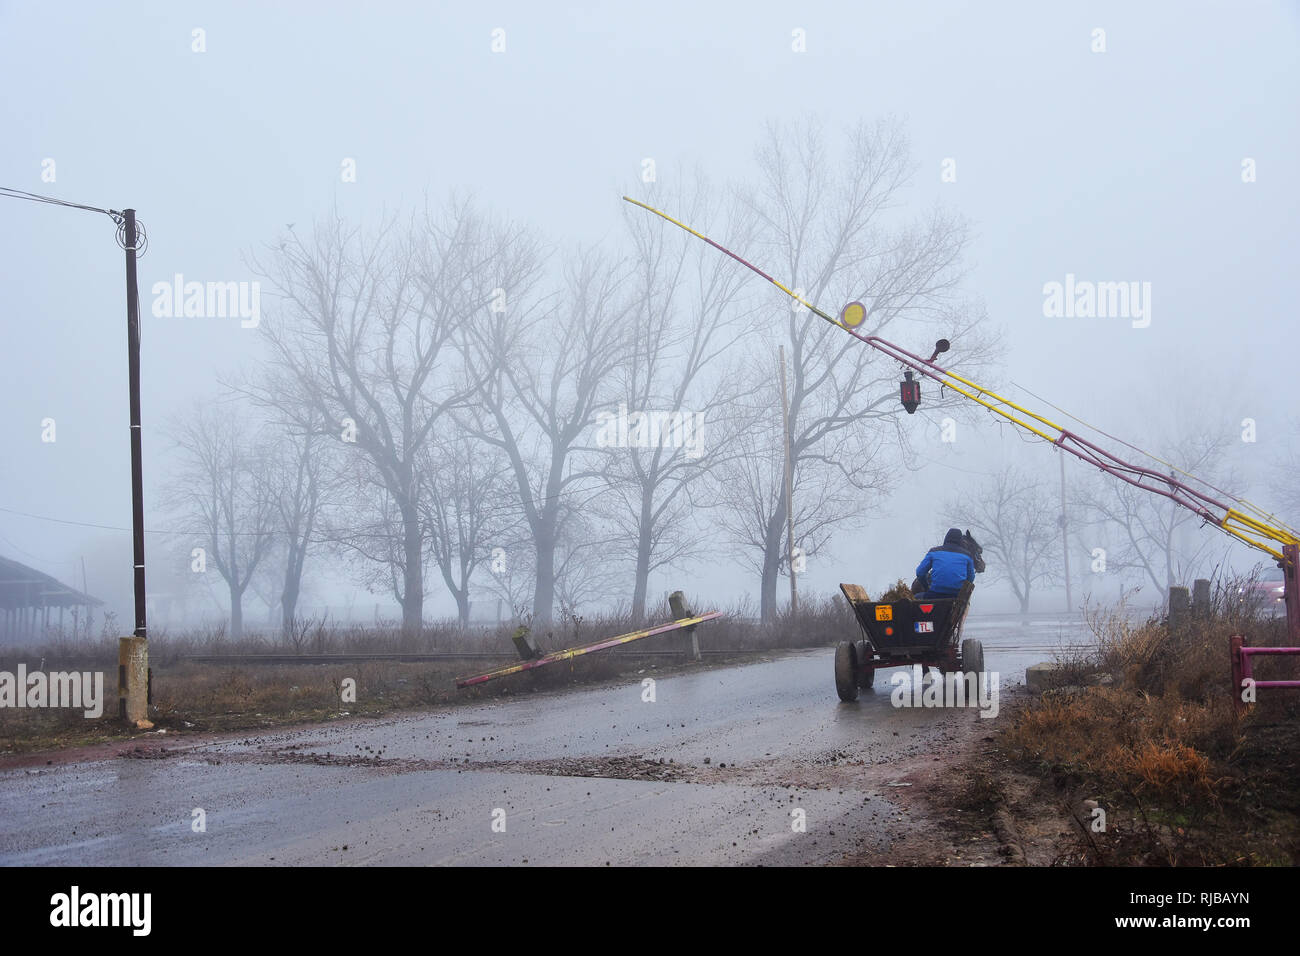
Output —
<point x="846" y="682"/>
<point x="972" y="656"/>
<point x="866" y="672"/>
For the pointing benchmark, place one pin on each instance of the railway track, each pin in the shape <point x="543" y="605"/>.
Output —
<point x="240" y="659"/>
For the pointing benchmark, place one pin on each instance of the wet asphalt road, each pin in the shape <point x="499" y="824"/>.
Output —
<point x="714" y="771"/>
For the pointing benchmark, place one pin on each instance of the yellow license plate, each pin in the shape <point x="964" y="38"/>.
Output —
<point x="884" y="612"/>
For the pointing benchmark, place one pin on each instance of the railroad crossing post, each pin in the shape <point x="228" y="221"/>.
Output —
<point x="1065" y="541"/>
<point x="677" y="601"/>
<point x="1291" y="595"/>
<point x="525" y="644"/>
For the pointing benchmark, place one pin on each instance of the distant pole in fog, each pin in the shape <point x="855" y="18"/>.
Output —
<point x="1065" y="541"/>
<point x="789" y="488"/>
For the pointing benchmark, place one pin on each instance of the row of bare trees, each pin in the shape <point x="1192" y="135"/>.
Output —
<point x="447" y="393"/>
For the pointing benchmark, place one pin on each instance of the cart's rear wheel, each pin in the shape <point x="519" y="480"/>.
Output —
<point x="846" y="678"/>
<point x="866" y="671"/>
<point x="972" y="656"/>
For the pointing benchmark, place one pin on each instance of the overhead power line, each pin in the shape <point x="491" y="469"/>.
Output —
<point x="11" y="193"/>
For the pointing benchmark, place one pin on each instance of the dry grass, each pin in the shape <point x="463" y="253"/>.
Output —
<point x="1167" y="768"/>
<point x="822" y="620"/>
<point x="1134" y="742"/>
<point x="1182" y="778"/>
<point x="192" y="696"/>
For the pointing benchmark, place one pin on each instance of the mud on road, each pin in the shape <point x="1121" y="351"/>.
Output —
<point x="754" y="764"/>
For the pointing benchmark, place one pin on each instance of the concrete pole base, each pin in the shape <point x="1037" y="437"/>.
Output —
<point x="133" y="680"/>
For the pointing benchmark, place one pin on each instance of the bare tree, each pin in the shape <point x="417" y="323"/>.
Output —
<point x="268" y="582"/>
<point x="830" y="229"/>
<point x="219" y="491"/>
<point x="543" y="371"/>
<point x="297" y="480"/>
<point x="1155" y="537"/>
<point x="511" y="576"/>
<point x="471" y="506"/>
<point x="365" y="342"/>
<point x="1284" y="480"/>
<point x="365" y="528"/>
<point x="674" y="384"/>
<point x="584" y="570"/>
<point x="752" y="487"/>
<point x="1015" y="518"/>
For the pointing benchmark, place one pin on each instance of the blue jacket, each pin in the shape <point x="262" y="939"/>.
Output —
<point x="948" y="569"/>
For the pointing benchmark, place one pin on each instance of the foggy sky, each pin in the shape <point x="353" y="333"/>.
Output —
<point x="1116" y="166"/>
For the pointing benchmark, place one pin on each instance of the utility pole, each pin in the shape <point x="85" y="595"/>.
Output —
<point x="133" y="373"/>
<point x="1065" y="542"/>
<point x="133" y="652"/>
<point x="789" y="488"/>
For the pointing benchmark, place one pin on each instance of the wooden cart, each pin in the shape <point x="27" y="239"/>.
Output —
<point x="902" y="633"/>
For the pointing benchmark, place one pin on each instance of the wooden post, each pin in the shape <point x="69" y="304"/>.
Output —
<point x="1235" y="643"/>
<point x="677" y="602"/>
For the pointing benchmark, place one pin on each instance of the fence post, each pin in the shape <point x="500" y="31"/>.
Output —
<point x="1234" y="648"/>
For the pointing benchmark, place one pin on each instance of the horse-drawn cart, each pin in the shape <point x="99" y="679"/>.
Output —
<point x="901" y="633"/>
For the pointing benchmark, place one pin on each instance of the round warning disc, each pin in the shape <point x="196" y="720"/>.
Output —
<point x="853" y="315"/>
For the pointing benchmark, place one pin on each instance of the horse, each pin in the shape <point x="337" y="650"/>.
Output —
<point x="974" y="550"/>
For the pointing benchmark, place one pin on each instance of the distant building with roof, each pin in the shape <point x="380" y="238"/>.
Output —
<point x="26" y="597"/>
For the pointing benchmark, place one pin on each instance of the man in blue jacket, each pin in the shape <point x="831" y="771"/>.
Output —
<point x="945" y="568"/>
